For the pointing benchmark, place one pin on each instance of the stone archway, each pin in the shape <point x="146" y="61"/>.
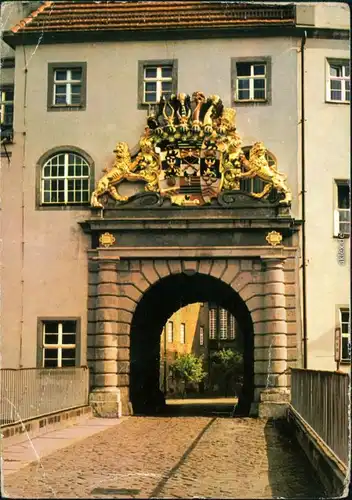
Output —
<point x="158" y="303"/>
<point x="121" y="282"/>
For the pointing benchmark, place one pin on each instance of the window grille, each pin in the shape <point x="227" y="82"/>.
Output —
<point x="59" y="343"/>
<point x="65" y="180"/>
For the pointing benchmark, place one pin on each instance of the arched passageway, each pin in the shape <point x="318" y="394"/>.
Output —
<point x="155" y="307"/>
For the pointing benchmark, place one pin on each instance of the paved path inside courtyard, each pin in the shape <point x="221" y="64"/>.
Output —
<point x="170" y="457"/>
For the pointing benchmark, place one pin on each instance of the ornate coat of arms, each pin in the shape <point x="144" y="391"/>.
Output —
<point x="189" y="153"/>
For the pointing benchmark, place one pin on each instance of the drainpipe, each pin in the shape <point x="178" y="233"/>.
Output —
<point x="304" y="274"/>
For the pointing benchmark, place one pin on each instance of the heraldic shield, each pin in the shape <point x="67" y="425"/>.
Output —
<point x="190" y="152"/>
<point x="190" y="174"/>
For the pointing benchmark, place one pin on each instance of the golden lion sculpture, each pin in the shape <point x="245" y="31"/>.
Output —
<point x="145" y="164"/>
<point x="258" y="166"/>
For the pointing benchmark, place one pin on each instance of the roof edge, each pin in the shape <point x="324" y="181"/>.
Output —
<point x="19" y="39"/>
<point x="31" y="16"/>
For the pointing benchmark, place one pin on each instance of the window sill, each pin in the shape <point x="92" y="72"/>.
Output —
<point x="342" y="236"/>
<point x="81" y="107"/>
<point x="329" y="101"/>
<point x="62" y="208"/>
<point x="251" y="101"/>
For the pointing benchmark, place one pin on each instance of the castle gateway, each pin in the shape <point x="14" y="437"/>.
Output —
<point x="191" y="217"/>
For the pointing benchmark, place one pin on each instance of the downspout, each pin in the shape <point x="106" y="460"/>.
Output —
<point x="303" y="193"/>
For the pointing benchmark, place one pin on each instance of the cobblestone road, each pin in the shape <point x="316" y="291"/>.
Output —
<point x="173" y="457"/>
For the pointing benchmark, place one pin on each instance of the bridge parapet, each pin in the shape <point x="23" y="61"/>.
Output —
<point x="318" y="412"/>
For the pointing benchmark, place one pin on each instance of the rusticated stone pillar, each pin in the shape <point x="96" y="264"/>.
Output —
<point x="105" y="396"/>
<point x="271" y="359"/>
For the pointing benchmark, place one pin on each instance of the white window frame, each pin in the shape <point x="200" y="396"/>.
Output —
<point x="159" y="79"/>
<point x="68" y="84"/>
<point x="223" y="320"/>
<point x="252" y="77"/>
<point x="170" y="331"/>
<point x="342" y="63"/>
<point x="182" y="333"/>
<point x="4" y="103"/>
<point x="212" y="323"/>
<point x="338" y="211"/>
<point x="66" y="178"/>
<point x="345" y="335"/>
<point x="201" y="335"/>
<point x="60" y="345"/>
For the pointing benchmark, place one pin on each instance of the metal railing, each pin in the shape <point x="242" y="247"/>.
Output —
<point x="32" y="392"/>
<point x="322" y="399"/>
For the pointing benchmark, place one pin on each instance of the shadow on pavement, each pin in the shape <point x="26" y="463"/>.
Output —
<point x="290" y="472"/>
<point x="221" y="407"/>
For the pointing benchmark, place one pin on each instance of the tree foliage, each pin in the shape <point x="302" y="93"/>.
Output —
<point x="229" y="362"/>
<point x="188" y="368"/>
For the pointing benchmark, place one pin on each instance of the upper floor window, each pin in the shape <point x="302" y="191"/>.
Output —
<point x="342" y="217"/>
<point x="65" y="180"/>
<point x="338" y="81"/>
<point x="212" y="323"/>
<point x="66" y="86"/>
<point x="201" y="335"/>
<point x="251" y="80"/>
<point x="156" y="79"/>
<point x="59" y="342"/>
<point x="223" y="324"/>
<point x="6" y="105"/>
<point x="345" y="334"/>
<point x="183" y="333"/>
<point x="170" y="331"/>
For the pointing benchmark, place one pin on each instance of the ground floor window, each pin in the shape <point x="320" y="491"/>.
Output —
<point x="59" y="343"/>
<point x="345" y="335"/>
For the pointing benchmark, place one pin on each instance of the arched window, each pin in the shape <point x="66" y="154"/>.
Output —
<point x="65" y="179"/>
<point x="255" y="185"/>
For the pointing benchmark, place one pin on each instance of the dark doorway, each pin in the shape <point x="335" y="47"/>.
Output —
<point x="156" y="306"/>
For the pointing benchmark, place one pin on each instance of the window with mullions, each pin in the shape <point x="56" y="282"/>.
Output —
<point x="156" y="79"/>
<point x="157" y="83"/>
<point x="223" y="324"/>
<point x="65" y="180"/>
<point x="59" y="344"/>
<point x="212" y="323"/>
<point x="170" y="331"/>
<point x="6" y="105"/>
<point x="66" y="86"/>
<point x="345" y="335"/>
<point x="201" y="335"/>
<point x="251" y="82"/>
<point x="342" y="214"/>
<point x="338" y="81"/>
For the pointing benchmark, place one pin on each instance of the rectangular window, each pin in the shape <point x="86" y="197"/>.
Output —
<point x="6" y="106"/>
<point x="66" y="85"/>
<point x="182" y="333"/>
<point x="251" y="81"/>
<point x="223" y="324"/>
<point x="338" y="80"/>
<point x="232" y="331"/>
<point x="170" y="331"/>
<point x="59" y="343"/>
<point x="345" y="335"/>
<point x="201" y="335"/>
<point x="212" y="323"/>
<point x="342" y="215"/>
<point x="156" y="79"/>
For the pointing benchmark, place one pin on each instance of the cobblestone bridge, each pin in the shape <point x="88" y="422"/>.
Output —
<point x="174" y="457"/>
